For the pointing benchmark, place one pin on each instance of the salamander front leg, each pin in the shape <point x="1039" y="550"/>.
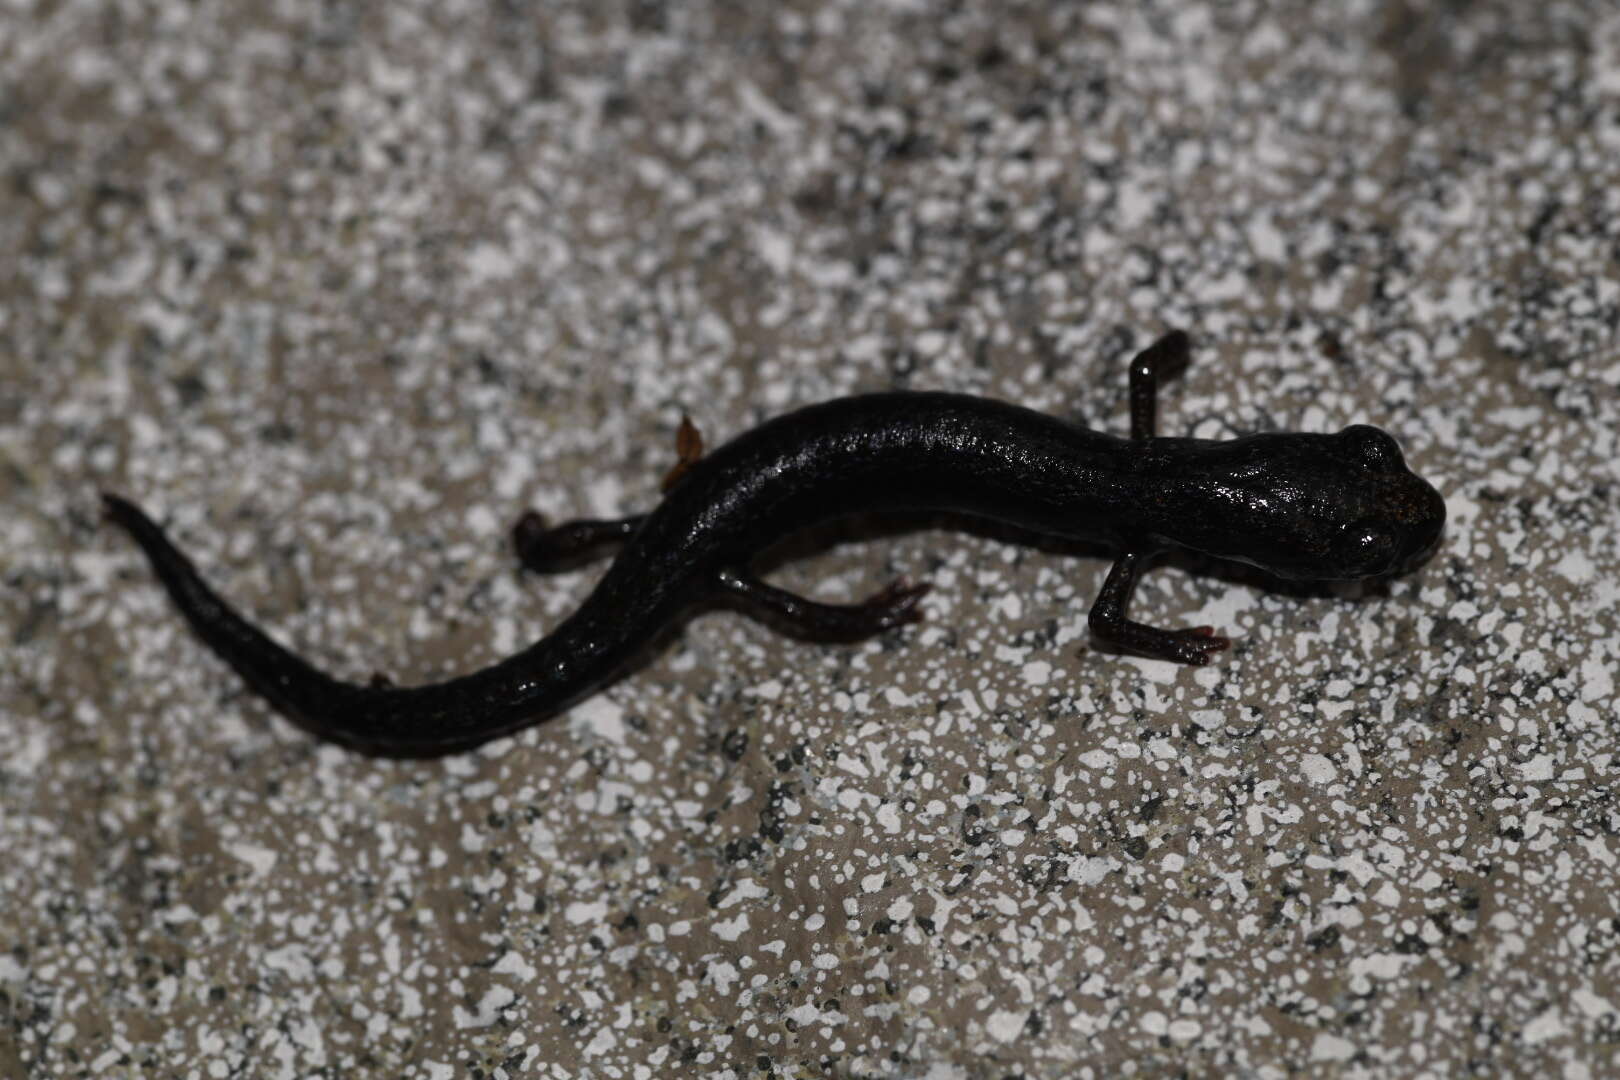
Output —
<point x="891" y="607"/>
<point x="1108" y="622"/>
<point x="1164" y="359"/>
<point x="548" y="548"/>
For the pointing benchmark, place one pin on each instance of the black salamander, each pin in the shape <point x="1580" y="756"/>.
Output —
<point x="1301" y="506"/>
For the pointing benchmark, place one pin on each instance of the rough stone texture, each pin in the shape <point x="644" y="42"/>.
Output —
<point x="336" y="290"/>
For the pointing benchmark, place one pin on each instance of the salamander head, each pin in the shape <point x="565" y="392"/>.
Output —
<point x="1317" y="507"/>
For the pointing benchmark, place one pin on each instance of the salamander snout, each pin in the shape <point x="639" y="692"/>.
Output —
<point x="1422" y="518"/>
<point x="1399" y="535"/>
<point x="1408" y="514"/>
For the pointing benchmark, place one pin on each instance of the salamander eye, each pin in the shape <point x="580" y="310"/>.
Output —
<point x="1374" y="448"/>
<point x="1366" y="547"/>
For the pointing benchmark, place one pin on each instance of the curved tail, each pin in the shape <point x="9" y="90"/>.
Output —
<point x="583" y="653"/>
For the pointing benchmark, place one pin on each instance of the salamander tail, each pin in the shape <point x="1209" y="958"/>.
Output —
<point x="292" y="684"/>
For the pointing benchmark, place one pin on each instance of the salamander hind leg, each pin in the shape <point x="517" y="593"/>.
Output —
<point x="547" y="548"/>
<point x="892" y="606"/>
<point x="1193" y="645"/>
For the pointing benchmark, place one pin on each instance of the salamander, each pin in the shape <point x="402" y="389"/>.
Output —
<point x="1322" y="507"/>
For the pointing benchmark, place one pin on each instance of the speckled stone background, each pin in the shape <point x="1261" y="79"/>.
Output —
<point x="337" y="289"/>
